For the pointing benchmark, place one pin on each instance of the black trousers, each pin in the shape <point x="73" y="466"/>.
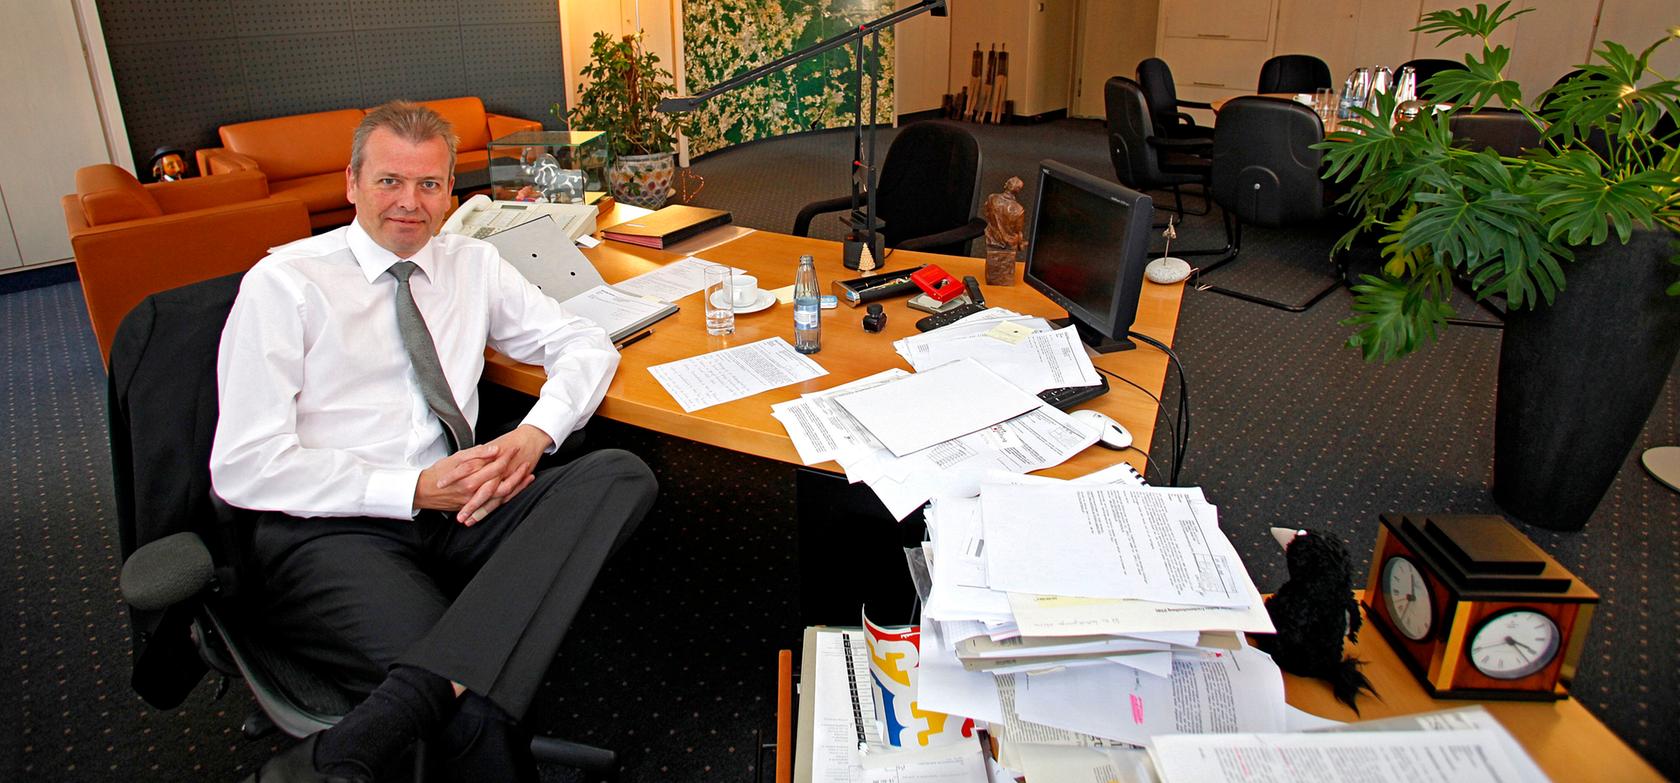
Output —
<point x="484" y="606"/>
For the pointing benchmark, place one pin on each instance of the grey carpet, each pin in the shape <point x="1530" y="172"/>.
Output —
<point x="671" y="662"/>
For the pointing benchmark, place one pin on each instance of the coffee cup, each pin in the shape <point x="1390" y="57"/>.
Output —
<point x="743" y="290"/>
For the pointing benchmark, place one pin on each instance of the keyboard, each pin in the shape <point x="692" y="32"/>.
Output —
<point x="1068" y="396"/>
<point x="948" y="317"/>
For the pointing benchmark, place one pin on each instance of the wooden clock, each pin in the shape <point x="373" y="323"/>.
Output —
<point x="1475" y="609"/>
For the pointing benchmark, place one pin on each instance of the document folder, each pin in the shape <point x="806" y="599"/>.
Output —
<point x="667" y="226"/>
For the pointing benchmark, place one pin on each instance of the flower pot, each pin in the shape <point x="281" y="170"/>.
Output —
<point x="643" y="180"/>
<point x="1578" y="379"/>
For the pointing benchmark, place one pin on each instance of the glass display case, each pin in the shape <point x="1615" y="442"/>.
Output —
<point x="560" y="167"/>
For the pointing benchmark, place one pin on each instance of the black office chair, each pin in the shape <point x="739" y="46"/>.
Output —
<point x="1427" y="67"/>
<point x="1165" y="107"/>
<point x="182" y="574"/>
<point x="1145" y="161"/>
<point x="927" y="193"/>
<point x="1291" y="73"/>
<point x="1266" y="172"/>
<point x="1503" y="131"/>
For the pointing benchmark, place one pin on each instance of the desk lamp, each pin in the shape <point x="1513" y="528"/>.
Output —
<point x="865" y="226"/>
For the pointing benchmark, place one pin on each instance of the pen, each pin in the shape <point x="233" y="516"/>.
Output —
<point x="633" y="339"/>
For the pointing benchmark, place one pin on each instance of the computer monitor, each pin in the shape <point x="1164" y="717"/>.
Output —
<point x="1087" y="251"/>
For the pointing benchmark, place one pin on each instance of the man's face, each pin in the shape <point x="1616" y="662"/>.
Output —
<point x="402" y="192"/>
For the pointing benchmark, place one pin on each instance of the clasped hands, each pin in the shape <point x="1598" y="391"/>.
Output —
<point x="473" y="482"/>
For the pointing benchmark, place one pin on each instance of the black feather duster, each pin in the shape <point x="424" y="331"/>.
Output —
<point x="1313" y="612"/>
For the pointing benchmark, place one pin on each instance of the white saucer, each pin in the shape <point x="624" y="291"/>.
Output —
<point x="763" y="302"/>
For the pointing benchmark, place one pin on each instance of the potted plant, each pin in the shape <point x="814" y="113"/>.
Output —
<point x="623" y="85"/>
<point x="1599" y="197"/>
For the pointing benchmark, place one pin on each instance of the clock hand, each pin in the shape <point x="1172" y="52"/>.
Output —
<point x="1524" y="646"/>
<point x="1517" y="647"/>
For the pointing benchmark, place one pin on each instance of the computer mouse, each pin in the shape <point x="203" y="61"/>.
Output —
<point x="1167" y="271"/>
<point x="1111" y="434"/>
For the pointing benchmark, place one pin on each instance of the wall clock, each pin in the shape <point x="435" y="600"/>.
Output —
<point x="1475" y="609"/>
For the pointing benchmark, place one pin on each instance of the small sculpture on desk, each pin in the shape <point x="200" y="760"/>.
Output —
<point x="1006" y="223"/>
<point x="1314" y="611"/>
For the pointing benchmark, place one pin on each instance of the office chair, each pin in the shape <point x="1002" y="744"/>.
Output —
<point x="1292" y="73"/>
<point x="1266" y="172"/>
<point x="927" y="193"/>
<point x="1144" y="160"/>
<point x="1161" y="94"/>
<point x="1427" y="67"/>
<point x="183" y="575"/>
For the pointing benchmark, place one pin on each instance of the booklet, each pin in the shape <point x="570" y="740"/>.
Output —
<point x="667" y="226"/>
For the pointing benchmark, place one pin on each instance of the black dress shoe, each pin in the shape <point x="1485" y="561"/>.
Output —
<point x="297" y="765"/>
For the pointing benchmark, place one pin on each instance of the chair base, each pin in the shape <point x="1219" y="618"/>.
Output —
<point x="1235" y="244"/>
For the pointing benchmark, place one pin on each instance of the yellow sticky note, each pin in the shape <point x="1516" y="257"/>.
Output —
<point x="784" y="294"/>
<point x="1009" y="332"/>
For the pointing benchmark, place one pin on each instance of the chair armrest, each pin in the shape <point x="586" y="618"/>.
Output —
<point x="211" y="191"/>
<point x="501" y="125"/>
<point x="964" y="233"/>
<point x="166" y="572"/>
<point x="802" y="223"/>
<point x="1195" y="104"/>
<point x="1189" y="146"/>
<point x="221" y="160"/>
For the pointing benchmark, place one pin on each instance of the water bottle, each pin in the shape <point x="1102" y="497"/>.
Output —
<point x="1354" y="92"/>
<point x="807" y="313"/>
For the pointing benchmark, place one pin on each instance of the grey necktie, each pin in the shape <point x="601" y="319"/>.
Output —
<point x="417" y="340"/>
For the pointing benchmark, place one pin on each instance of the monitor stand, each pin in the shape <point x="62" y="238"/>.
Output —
<point x="1099" y="342"/>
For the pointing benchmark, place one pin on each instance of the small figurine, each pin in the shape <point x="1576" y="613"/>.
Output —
<point x="866" y="259"/>
<point x="876" y="320"/>
<point x="1005" y="232"/>
<point x="1313" y="611"/>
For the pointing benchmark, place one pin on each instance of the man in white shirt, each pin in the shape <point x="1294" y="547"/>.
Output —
<point x="438" y="580"/>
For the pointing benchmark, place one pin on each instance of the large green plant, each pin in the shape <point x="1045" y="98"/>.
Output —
<point x="623" y="85"/>
<point x="1606" y="165"/>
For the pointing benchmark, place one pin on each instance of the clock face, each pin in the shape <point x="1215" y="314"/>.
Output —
<point x="1407" y="598"/>
<point x="1514" y="644"/>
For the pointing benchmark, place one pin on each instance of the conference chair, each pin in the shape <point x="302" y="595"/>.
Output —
<point x="927" y="194"/>
<point x="1427" y="67"/>
<point x="1265" y="172"/>
<point x="1144" y="160"/>
<point x="1161" y="94"/>
<point x="1292" y="73"/>
<point x="183" y="576"/>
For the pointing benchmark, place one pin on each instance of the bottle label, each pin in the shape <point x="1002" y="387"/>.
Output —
<point x="805" y="317"/>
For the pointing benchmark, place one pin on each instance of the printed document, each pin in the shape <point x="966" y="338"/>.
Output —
<point x="932" y="407"/>
<point x="672" y="281"/>
<point x="1109" y="542"/>
<point x="1058" y="615"/>
<point x="617" y="312"/>
<point x="1039" y="361"/>
<point x="845" y="706"/>
<point x="960" y="763"/>
<point x="730" y="374"/>
<point x="820" y="429"/>
<point x="1463" y="756"/>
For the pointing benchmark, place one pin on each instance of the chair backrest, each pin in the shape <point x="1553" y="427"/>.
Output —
<point x="1264" y="168"/>
<point x="1427" y="67"/>
<point x="1292" y="73"/>
<point x="1159" y="92"/>
<point x="930" y="182"/>
<point x="1506" y="132"/>
<point x="1136" y="164"/>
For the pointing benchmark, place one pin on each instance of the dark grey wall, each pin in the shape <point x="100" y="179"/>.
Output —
<point x="184" y="67"/>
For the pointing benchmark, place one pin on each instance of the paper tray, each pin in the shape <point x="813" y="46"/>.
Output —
<point x="862" y="290"/>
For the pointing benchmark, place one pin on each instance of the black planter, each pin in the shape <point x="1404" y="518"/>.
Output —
<point x="1577" y="380"/>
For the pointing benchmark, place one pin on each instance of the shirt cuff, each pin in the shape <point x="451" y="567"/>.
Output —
<point x="554" y="418"/>
<point x="390" y="493"/>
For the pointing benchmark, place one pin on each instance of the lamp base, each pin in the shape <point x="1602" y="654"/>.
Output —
<point x="854" y="249"/>
<point x="1663" y="462"/>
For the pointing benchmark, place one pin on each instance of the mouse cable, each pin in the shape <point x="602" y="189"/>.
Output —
<point x="1182" y="436"/>
<point x="1171" y="424"/>
<point x="1152" y="465"/>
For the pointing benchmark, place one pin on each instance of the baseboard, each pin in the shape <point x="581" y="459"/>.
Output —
<point x="918" y="116"/>
<point x="38" y="277"/>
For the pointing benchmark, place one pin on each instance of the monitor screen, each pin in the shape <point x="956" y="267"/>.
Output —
<point x="1087" y="251"/>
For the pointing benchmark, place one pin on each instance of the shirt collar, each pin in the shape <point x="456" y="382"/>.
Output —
<point x="374" y="259"/>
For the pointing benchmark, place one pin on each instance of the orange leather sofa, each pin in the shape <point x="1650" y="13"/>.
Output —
<point x="133" y="240"/>
<point x="304" y="155"/>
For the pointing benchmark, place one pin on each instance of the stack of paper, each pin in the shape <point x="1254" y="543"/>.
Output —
<point x="911" y="437"/>
<point x="1022" y="348"/>
<point x="1088" y="614"/>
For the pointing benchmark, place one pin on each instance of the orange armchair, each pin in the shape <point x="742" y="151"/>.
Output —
<point x="133" y="240"/>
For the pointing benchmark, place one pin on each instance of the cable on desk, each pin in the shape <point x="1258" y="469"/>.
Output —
<point x="1182" y="437"/>
<point x="1172" y="443"/>
<point x="1155" y="469"/>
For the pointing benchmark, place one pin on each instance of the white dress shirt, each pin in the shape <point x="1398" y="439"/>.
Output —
<point x="321" y="412"/>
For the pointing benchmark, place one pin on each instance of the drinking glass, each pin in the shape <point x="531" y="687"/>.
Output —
<point x="719" y="299"/>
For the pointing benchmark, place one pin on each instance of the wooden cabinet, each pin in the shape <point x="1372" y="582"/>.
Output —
<point x="1215" y="47"/>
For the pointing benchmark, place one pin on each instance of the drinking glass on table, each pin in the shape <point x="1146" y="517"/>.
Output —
<point x="1324" y="102"/>
<point x="719" y="300"/>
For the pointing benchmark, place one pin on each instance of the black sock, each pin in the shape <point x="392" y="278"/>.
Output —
<point x="409" y="705"/>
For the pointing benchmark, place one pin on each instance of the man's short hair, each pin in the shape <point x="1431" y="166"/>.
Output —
<point x="409" y="121"/>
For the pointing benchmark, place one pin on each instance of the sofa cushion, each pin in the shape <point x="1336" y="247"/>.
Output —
<point x="109" y="194"/>
<point x="467" y="115"/>
<point x="320" y="192"/>
<point x="299" y="145"/>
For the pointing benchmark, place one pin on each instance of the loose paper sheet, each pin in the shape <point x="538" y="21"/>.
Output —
<point x="844" y="706"/>
<point x="1464" y="756"/>
<point x="672" y="281"/>
<point x="1044" y="360"/>
<point x="936" y="406"/>
<point x="730" y="374"/>
<point x="820" y="429"/>
<point x="1109" y="542"/>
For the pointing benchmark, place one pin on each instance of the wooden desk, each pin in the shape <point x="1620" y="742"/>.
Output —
<point x="1330" y="125"/>
<point x="848" y="352"/>
<point x="1565" y="740"/>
